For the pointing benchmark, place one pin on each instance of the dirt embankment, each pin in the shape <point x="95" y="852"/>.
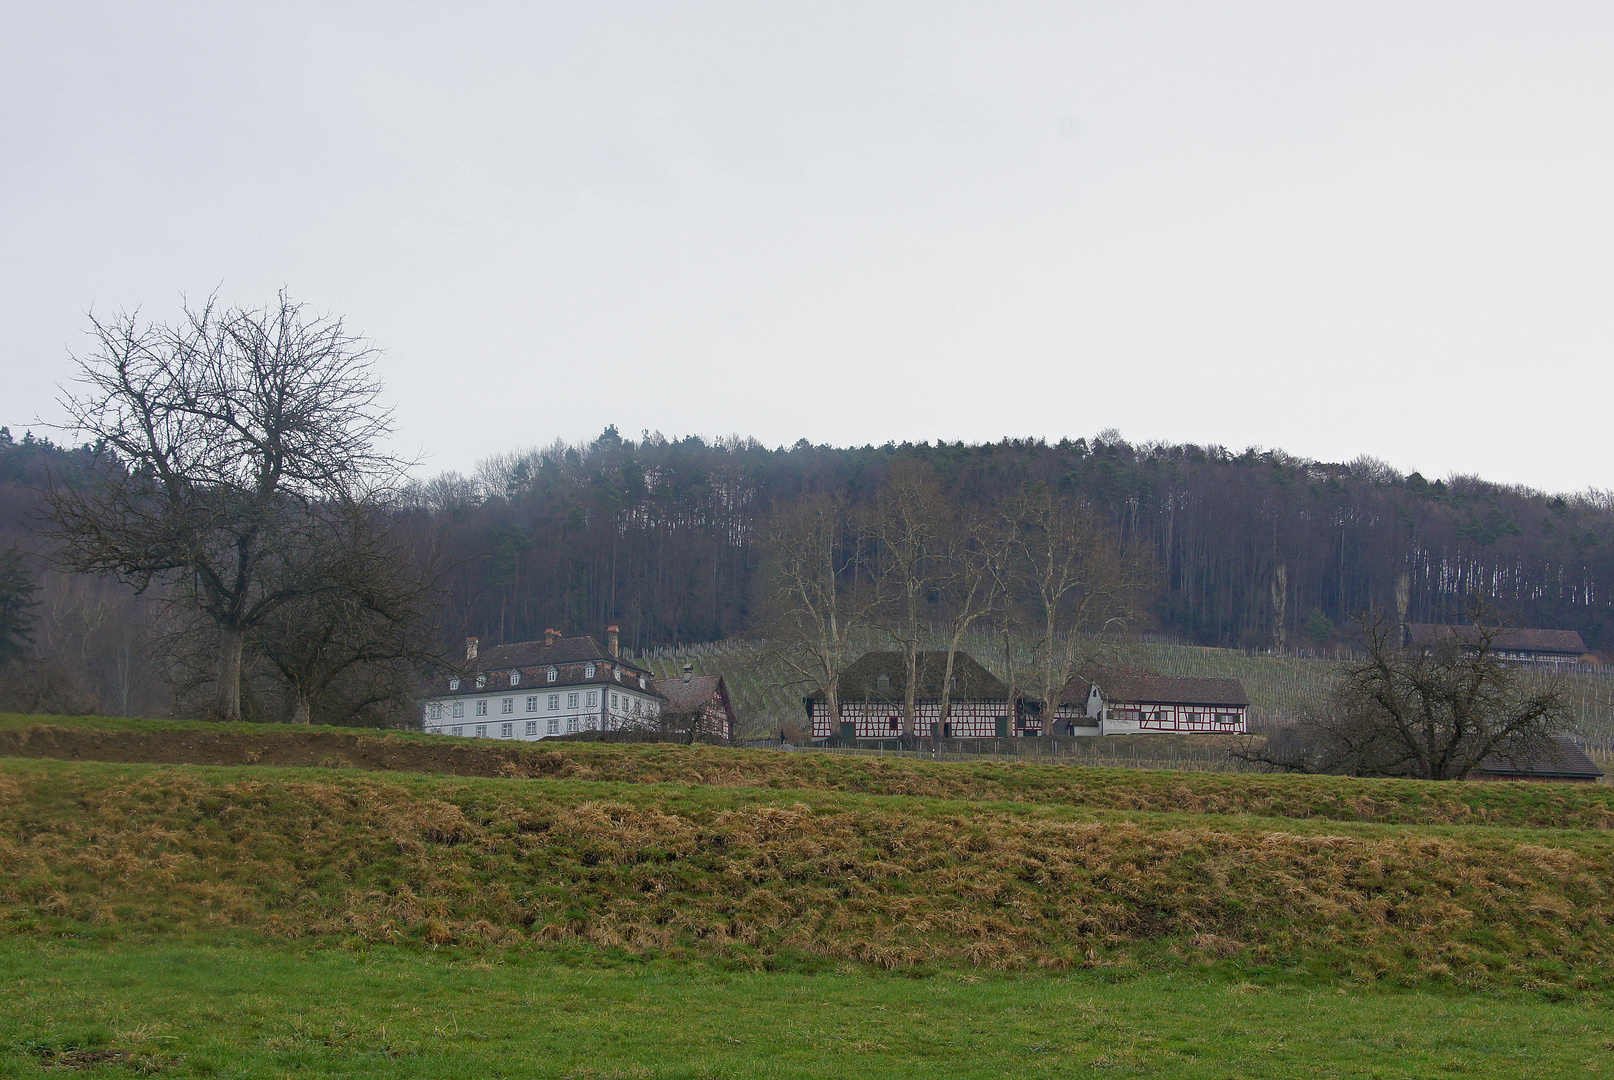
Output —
<point x="312" y="747"/>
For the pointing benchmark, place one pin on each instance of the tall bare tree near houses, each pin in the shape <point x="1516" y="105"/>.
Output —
<point x="1074" y="580"/>
<point x="817" y="594"/>
<point x="237" y="450"/>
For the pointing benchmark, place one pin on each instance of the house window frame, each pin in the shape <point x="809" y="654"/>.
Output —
<point x="553" y="674"/>
<point x="515" y="678"/>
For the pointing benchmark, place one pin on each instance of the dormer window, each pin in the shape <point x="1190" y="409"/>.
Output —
<point x="618" y="674"/>
<point x="481" y="681"/>
<point x="882" y="682"/>
<point x="515" y="678"/>
<point x="553" y="674"/>
<point x="952" y="685"/>
<point x="588" y="672"/>
<point x="641" y="682"/>
<point x="453" y="684"/>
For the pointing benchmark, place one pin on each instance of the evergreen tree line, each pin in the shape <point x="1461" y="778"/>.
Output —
<point x="1256" y="549"/>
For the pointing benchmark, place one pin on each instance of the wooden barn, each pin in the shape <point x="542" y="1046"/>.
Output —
<point x="872" y="690"/>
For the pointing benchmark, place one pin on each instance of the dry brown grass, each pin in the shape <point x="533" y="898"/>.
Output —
<point x="491" y="864"/>
<point x="1326" y="797"/>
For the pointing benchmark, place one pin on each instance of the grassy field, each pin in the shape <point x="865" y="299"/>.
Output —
<point x="668" y="911"/>
<point x="256" y="1010"/>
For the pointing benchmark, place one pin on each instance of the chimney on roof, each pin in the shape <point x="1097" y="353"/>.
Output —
<point x="612" y="638"/>
<point x="689" y="672"/>
<point x="549" y="637"/>
<point x="470" y="649"/>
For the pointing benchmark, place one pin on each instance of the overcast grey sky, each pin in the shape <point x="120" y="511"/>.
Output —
<point x="1380" y="228"/>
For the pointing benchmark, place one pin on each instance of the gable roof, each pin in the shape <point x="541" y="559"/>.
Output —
<point x="1146" y="688"/>
<point x="861" y="680"/>
<point x="1506" y="640"/>
<point x="1565" y="760"/>
<point x="691" y="696"/>
<point x="528" y="654"/>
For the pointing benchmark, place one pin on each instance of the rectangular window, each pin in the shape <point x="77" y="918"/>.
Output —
<point x="554" y="725"/>
<point x="532" y="727"/>
<point x="532" y="703"/>
<point x="459" y="708"/>
<point x="571" y="701"/>
<point x="554" y="702"/>
<point x="459" y="731"/>
<point x="506" y="730"/>
<point x="571" y="724"/>
<point x="613" y="701"/>
<point x="593" y="699"/>
<point x="507" y="706"/>
<point x="481" y="731"/>
<point x="481" y="708"/>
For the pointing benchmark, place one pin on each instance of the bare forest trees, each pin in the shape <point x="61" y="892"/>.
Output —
<point x="236" y="456"/>
<point x="1430" y="712"/>
<point x="1072" y="579"/>
<point x="917" y="570"/>
<point x="816" y="590"/>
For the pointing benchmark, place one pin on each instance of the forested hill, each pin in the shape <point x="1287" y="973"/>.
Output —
<point x="657" y="534"/>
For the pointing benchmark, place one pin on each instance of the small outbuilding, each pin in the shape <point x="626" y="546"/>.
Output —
<point x="1565" y="761"/>
<point x="699" y="703"/>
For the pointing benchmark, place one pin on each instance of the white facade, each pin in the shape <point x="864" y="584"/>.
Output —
<point x="501" y="710"/>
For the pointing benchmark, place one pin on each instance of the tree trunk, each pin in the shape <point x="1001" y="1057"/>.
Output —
<point x="300" y="710"/>
<point x="228" y="704"/>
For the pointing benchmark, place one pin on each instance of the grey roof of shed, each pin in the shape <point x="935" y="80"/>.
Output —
<point x="1567" y="760"/>
<point x="1145" y="688"/>
<point x="861" y="680"/>
<point x="1567" y="642"/>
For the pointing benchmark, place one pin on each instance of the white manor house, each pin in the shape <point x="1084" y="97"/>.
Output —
<point x="535" y="689"/>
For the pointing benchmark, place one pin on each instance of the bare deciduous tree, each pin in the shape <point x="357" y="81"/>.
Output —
<point x="910" y="521"/>
<point x="1075" y="579"/>
<point x="359" y="642"/>
<point x="816" y="596"/>
<point x="220" y="439"/>
<point x="1432" y="711"/>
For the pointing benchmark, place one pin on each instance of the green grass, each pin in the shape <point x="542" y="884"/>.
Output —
<point x="276" y="1010"/>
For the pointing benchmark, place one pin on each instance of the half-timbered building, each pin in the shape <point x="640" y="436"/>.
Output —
<point x="1552" y="648"/>
<point x="873" y="688"/>
<point x="537" y="689"/>
<point x="1131" y="702"/>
